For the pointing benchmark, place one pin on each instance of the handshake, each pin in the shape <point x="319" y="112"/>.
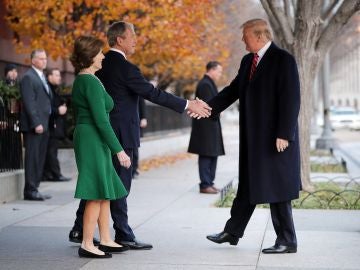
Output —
<point x="198" y="109"/>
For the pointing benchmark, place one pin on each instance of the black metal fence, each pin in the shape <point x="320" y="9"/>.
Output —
<point x="162" y="119"/>
<point x="10" y="136"/>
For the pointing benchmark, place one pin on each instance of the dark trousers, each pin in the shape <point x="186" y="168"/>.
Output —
<point x="118" y="207"/>
<point x="52" y="166"/>
<point x="135" y="164"/>
<point x="35" y="149"/>
<point x="281" y="215"/>
<point x="207" y="170"/>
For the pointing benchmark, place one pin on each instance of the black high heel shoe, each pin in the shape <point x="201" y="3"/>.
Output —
<point x="87" y="254"/>
<point x="113" y="249"/>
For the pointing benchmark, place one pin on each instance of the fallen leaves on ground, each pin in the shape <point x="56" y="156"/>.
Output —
<point x="157" y="161"/>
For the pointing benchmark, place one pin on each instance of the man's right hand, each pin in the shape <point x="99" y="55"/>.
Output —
<point x="198" y="109"/>
<point x="39" y="129"/>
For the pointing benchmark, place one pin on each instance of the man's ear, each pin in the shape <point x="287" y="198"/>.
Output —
<point x="119" y="40"/>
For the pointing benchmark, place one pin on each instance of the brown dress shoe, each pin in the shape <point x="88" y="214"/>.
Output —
<point x="215" y="188"/>
<point x="208" y="190"/>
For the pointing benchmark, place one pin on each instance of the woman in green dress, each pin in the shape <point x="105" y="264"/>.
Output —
<point x="94" y="143"/>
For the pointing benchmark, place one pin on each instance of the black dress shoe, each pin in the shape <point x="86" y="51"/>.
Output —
<point x="87" y="254"/>
<point x="279" y="249"/>
<point x="135" y="244"/>
<point x="33" y="196"/>
<point x="61" y="178"/>
<point x="223" y="237"/>
<point x="113" y="249"/>
<point x="46" y="196"/>
<point x="77" y="237"/>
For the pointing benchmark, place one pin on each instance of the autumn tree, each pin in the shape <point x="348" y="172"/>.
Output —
<point x="175" y="37"/>
<point x="307" y="29"/>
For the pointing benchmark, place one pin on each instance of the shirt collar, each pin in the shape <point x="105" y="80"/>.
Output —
<point x="117" y="50"/>
<point x="38" y="71"/>
<point x="263" y="50"/>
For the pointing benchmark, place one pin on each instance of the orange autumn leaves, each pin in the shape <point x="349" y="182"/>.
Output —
<point x="175" y="37"/>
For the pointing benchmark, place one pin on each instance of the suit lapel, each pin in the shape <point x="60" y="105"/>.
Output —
<point x="35" y="74"/>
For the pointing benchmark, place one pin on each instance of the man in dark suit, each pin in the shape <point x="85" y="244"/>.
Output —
<point x="268" y="88"/>
<point x="34" y="122"/>
<point x="52" y="170"/>
<point x="125" y="83"/>
<point x="206" y="137"/>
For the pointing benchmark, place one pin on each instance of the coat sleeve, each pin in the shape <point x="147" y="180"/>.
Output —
<point x="289" y="99"/>
<point x="29" y="96"/>
<point x="225" y="98"/>
<point x="138" y="84"/>
<point x="95" y="97"/>
<point x="142" y="108"/>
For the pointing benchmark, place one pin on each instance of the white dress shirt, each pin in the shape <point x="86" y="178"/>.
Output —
<point x="262" y="51"/>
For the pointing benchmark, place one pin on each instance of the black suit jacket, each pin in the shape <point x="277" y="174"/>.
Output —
<point x="269" y="109"/>
<point x="36" y="102"/>
<point x="206" y="137"/>
<point x="56" y="121"/>
<point x="125" y="83"/>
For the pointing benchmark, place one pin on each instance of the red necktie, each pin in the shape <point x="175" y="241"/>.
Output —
<point x="253" y="65"/>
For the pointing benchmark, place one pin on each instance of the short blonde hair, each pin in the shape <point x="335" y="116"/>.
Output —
<point x="259" y="27"/>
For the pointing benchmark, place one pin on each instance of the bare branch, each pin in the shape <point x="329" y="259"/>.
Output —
<point x="274" y="24"/>
<point x="287" y="8"/>
<point x="283" y="21"/>
<point x="342" y="16"/>
<point x="329" y="10"/>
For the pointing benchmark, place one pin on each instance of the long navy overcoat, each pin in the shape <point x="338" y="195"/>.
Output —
<point x="269" y="108"/>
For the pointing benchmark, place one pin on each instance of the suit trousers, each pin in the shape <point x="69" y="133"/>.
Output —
<point x="118" y="208"/>
<point x="242" y="210"/>
<point x="35" y="149"/>
<point x="52" y="166"/>
<point x="207" y="170"/>
<point x="135" y="164"/>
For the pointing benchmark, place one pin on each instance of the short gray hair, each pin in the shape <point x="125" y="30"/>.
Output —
<point x="35" y="52"/>
<point x="117" y="29"/>
<point x="259" y="27"/>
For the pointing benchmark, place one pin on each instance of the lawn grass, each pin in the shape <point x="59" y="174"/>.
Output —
<point x="328" y="195"/>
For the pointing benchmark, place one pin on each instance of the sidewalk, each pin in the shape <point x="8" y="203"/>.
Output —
<point x="166" y="210"/>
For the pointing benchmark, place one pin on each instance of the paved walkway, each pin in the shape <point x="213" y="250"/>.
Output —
<point x="166" y="209"/>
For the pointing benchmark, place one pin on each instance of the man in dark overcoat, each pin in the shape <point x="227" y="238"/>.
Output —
<point x="206" y="137"/>
<point x="268" y="88"/>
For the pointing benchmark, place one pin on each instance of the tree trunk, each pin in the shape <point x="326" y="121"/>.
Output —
<point x="307" y="78"/>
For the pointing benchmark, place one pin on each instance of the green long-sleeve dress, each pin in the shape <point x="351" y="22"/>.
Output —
<point x="95" y="141"/>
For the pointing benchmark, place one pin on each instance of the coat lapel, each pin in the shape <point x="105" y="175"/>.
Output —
<point x="265" y="60"/>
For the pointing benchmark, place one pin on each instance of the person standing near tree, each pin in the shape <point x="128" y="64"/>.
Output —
<point x="268" y="88"/>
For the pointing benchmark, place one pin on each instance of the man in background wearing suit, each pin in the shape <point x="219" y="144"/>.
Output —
<point x="268" y="88"/>
<point x="206" y="137"/>
<point x="52" y="170"/>
<point x="34" y="122"/>
<point x="125" y="83"/>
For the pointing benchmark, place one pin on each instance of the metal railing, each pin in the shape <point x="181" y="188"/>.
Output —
<point x="10" y="137"/>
